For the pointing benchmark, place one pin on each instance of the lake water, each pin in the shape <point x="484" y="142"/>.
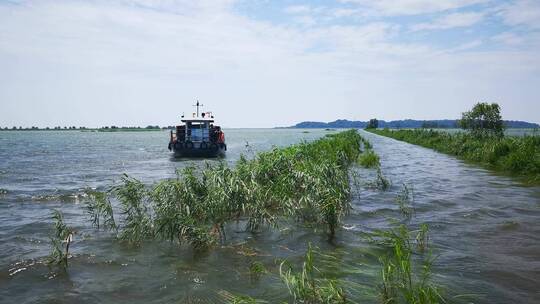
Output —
<point x="485" y="228"/>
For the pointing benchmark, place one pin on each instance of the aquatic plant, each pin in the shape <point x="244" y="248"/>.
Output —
<point x="137" y="224"/>
<point x="369" y="159"/>
<point x="61" y="240"/>
<point x="381" y="182"/>
<point x="422" y="238"/>
<point x="405" y="200"/>
<point x="365" y="144"/>
<point x="99" y="207"/>
<point x="179" y="212"/>
<point x="239" y="299"/>
<point x="257" y="269"/>
<point x="307" y="286"/>
<point x="402" y="281"/>
<point x="307" y="182"/>
<point x="515" y="155"/>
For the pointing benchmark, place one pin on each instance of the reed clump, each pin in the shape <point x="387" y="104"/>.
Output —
<point x="515" y="155"/>
<point x="405" y="279"/>
<point x="405" y="200"/>
<point x="307" y="182"/>
<point x="238" y="299"/>
<point x="100" y="210"/>
<point x="257" y="269"/>
<point x="406" y="261"/>
<point x="60" y="241"/>
<point x="309" y="285"/>
<point x="381" y="182"/>
<point x="369" y="159"/>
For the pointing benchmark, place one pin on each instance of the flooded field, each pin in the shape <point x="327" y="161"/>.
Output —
<point x="484" y="228"/>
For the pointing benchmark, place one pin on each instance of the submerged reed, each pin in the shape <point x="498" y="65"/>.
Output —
<point x="381" y="182"/>
<point x="403" y="281"/>
<point x="137" y="222"/>
<point x="405" y="200"/>
<point x="516" y="155"/>
<point x="256" y="270"/>
<point x="100" y="210"/>
<point x="422" y="238"/>
<point x="238" y="299"/>
<point x="61" y="240"/>
<point x="307" y="286"/>
<point x="369" y="159"/>
<point x="307" y="182"/>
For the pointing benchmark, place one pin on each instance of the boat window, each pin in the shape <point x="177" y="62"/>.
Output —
<point x="199" y="132"/>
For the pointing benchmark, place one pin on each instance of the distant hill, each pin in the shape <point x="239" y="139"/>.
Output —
<point x="405" y="123"/>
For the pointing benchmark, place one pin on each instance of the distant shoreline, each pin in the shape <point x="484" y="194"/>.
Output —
<point x="403" y="124"/>
<point x="84" y="129"/>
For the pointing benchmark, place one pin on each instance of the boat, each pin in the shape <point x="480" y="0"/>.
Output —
<point x="197" y="136"/>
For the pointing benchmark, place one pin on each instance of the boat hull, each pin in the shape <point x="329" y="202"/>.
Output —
<point x="197" y="151"/>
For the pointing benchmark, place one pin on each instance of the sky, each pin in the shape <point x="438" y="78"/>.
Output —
<point x="265" y="63"/>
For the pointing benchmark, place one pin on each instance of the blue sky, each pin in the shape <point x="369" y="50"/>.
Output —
<point x="265" y="63"/>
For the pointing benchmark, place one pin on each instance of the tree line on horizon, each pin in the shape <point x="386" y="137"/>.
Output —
<point x="34" y="128"/>
<point x="406" y="124"/>
<point x="483" y="120"/>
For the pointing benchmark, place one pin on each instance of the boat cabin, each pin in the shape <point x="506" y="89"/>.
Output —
<point x="197" y="135"/>
<point x="200" y="129"/>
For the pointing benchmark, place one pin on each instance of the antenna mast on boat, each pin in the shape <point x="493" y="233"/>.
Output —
<point x="198" y="105"/>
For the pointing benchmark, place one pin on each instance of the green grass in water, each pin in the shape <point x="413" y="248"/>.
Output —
<point x="60" y="241"/>
<point x="307" y="182"/>
<point x="405" y="200"/>
<point x="308" y="286"/>
<point x="369" y="159"/>
<point x="406" y="269"/>
<point x="516" y="155"/>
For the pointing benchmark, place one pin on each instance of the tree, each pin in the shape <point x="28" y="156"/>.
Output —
<point x="483" y="120"/>
<point x="430" y="125"/>
<point x="373" y="124"/>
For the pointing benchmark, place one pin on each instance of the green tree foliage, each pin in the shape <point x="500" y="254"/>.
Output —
<point x="483" y="120"/>
<point x="430" y="125"/>
<point x="373" y="124"/>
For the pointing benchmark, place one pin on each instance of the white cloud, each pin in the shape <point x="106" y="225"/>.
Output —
<point x="450" y="21"/>
<point x="305" y="20"/>
<point x="298" y="9"/>
<point x="345" y="12"/>
<point x="412" y="7"/>
<point x="467" y="46"/>
<point x="508" y="38"/>
<point x="522" y="12"/>
<point x="137" y="63"/>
